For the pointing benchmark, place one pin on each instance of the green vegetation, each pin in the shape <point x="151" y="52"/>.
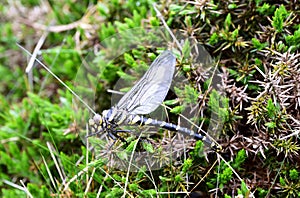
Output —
<point x="245" y="95"/>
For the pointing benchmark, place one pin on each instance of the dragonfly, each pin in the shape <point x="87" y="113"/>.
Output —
<point x="143" y="98"/>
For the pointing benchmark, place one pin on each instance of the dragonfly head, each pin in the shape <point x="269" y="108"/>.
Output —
<point x="97" y="119"/>
<point x="95" y="124"/>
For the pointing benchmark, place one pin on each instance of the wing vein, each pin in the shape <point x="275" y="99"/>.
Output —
<point x="150" y="91"/>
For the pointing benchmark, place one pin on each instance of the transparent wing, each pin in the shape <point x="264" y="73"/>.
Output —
<point x="150" y="91"/>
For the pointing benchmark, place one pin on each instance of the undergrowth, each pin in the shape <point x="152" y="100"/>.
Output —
<point x="253" y="100"/>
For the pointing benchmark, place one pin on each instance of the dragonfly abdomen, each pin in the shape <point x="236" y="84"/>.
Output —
<point x="141" y="120"/>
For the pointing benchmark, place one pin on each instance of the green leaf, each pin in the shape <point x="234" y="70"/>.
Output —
<point x="171" y="102"/>
<point x="141" y="173"/>
<point x="244" y="188"/>
<point x="188" y="21"/>
<point x="148" y="193"/>
<point x="278" y="18"/>
<point x="188" y="163"/>
<point x="270" y="125"/>
<point x="154" y="21"/>
<point x="133" y="187"/>
<point x="294" y="174"/>
<point x="129" y="59"/>
<point x="103" y="9"/>
<point x="266" y="9"/>
<point x="294" y="40"/>
<point x="198" y="149"/>
<point x="177" y="109"/>
<point x="190" y="94"/>
<point x="232" y="6"/>
<point x="175" y="8"/>
<point x="258" y="62"/>
<point x="219" y="105"/>
<point x="227" y="22"/>
<point x="272" y="110"/>
<point x="178" y="178"/>
<point x="214" y="39"/>
<point x="186" y="49"/>
<point x="107" y="30"/>
<point x="186" y="68"/>
<point x="240" y="159"/>
<point x="235" y="34"/>
<point x="225" y="176"/>
<point x="148" y="147"/>
<point x="281" y="181"/>
<point x="131" y="146"/>
<point x="258" y="45"/>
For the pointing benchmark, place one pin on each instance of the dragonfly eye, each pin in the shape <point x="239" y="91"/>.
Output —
<point x="95" y="125"/>
<point x="97" y="119"/>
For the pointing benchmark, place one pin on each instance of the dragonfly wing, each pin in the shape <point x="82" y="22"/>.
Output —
<point x="150" y="91"/>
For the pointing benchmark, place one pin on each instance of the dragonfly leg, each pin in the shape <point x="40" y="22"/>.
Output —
<point x="121" y="131"/>
<point x="93" y="134"/>
<point x="115" y="136"/>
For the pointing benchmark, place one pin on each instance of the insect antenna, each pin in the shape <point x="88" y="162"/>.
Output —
<point x="57" y="78"/>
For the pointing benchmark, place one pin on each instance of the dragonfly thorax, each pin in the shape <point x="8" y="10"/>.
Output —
<point x="107" y="123"/>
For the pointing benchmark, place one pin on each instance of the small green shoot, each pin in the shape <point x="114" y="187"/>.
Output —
<point x="279" y="17"/>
